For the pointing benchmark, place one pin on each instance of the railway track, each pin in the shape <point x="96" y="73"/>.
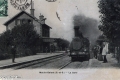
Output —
<point x="76" y="65"/>
<point x="33" y="62"/>
<point x="42" y="62"/>
<point x="65" y="65"/>
<point x="50" y="63"/>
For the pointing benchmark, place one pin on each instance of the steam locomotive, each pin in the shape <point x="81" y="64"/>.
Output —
<point x="79" y="46"/>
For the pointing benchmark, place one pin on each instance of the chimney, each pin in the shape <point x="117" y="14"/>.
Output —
<point x="76" y="30"/>
<point x="78" y="33"/>
<point x="42" y="19"/>
<point x="32" y="8"/>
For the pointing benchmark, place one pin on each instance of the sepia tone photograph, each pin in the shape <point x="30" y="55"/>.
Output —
<point x="59" y="40"/>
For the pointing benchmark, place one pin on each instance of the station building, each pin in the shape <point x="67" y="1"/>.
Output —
<point x="39" y="25"/>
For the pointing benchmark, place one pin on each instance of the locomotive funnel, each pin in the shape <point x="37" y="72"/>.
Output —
<point x="78" y="33"/>
<point x="76" y="30"/>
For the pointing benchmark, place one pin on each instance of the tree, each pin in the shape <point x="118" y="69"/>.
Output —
<point x="110" y="18"/>
<point x="63" y="43"/>
<point x="5" y="41"/>
<point x="110" y="22"/>
<point x="24" y="37"/>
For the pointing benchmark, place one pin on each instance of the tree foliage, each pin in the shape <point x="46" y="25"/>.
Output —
<point x="24" y="37"/>
<point x="5" y="41"/>
<point x="110" y="18"/>
<point x="24" y="34"/>
<point x="63" y="43"/>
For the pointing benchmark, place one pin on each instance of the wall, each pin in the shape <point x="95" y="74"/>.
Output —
<point x="38" y="26"/>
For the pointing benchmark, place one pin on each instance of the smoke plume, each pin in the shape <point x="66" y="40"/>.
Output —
<point x="88" y="27"/>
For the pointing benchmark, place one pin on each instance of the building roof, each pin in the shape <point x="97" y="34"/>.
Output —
<point x="19" y="14"/>
<point x="45" y="25"/>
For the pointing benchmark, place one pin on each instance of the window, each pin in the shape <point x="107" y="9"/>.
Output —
<point x="17" y="22"/>
<point x="45" y="32"/>
<point x="30" y="21"/>
<point x="23" y="21"/>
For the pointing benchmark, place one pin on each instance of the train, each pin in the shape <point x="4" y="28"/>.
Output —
<point x="79" y="46"/>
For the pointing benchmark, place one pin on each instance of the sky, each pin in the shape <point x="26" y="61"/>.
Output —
<point x="62" y="27"/>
